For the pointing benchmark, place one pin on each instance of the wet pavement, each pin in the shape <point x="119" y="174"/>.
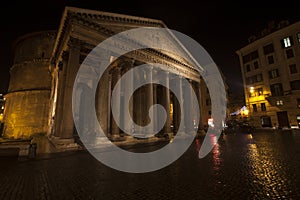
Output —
<point x="262" y="165"/>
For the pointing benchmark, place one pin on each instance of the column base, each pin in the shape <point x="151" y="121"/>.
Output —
<point x="183" y="134"/>
<point x="116" y="138"/>
<point x="164" y="135"/>
<point x="62" y="144"/>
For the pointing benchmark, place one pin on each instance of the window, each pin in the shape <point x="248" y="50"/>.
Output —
<point x="249" y="80"/>
<point x="254" y="79"/>
<point x="273" y="73"/>
<point x="287" y="42"/>
<point x="268" y="49"/>
<point x="293" y="68"/>
<point x="295" y="85"/>
<point x="259" y="91"/>
<point x="254" y="107"/>
<point x="289" y="53"/>
<point x="255" y="92"/>
<point x="276" y="89"/>
<point x="259" y="78"/>
<point x="270" y="59"/>
<point x="250" y="56"/>
<point x="263" y="107"/>
<point x="279" y="102"/>
<point x="298" y="103"/>
<point x="255" y="64"/>
<point x="248" y="69"/>
<point x="298" y="36"/>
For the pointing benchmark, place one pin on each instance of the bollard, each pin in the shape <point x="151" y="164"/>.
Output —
<point x="32" y="151"/>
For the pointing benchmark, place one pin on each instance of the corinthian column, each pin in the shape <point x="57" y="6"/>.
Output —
<point x="166" y="103"/>
<point x="149" y="99"/>
<point x="67" y="122"/>
<point x="198" y="93"/>
<point x="60" y="97"/>
<point x="115" y="130"/>
<point x="188" y="108"/>
<point x="128" y="92"/>
<point x="178" y="107"/>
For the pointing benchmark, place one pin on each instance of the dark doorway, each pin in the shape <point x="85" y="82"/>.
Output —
<point x="266" y="121"/>
<point x="283" y="120"/>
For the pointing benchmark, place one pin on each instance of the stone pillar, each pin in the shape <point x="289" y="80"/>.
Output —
<point x="188" y="108"/>
<point x="149" y="99"/>
<point x="103" y="99"/>
<point x="137" y="98"/>
<point x="155" y="102"/>
<point x="176" y="114"/>
<point x="166" y="103"/>
<point x="109" y="105"/>
<point x="198" y="93"/>
<point x="116" y="75"/>
<point x="179" y="113"/>
<point x="60" y="98"/>
<point x="128" y="92"/>
<point x="67" y="121"/>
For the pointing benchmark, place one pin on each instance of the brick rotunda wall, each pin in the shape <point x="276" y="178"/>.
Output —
<point x="27" y="101"/>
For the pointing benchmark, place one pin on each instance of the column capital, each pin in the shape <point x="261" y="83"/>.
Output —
<point x="166" y="72"/>
<point x="75" y="43"/>
<point x="150" y="68"/>
<point x="64" y="55"/>
<point x="115" y="69"/>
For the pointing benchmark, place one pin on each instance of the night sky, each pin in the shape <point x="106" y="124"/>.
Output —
<point x="220" y="27"/>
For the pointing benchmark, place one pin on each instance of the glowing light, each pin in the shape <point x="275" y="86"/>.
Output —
<point x="251" y="89"/>
<point x="210" y="122"/>
<point x="246" y="111"/>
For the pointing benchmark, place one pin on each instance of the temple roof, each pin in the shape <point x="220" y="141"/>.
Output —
<point x="92" y="25"/>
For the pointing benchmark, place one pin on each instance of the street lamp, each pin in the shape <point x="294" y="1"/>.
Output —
<point x="251" y="90"/>
<point x="246" y="112"/>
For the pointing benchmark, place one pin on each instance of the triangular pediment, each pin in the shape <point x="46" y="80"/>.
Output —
<point x="93" y="22"/>
<point x="113" y="21"/>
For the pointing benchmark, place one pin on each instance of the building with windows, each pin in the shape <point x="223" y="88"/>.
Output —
<point x="270" y="66"/>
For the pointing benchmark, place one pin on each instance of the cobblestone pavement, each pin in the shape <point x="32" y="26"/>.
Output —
<point x="241" y="166"/>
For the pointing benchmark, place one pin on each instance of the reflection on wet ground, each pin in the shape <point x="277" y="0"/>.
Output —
<point x="262" y="165"/>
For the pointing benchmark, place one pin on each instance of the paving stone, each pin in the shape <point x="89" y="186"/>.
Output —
<point x="263" y="166"/>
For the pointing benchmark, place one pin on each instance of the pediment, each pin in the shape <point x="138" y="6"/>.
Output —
<point x="113" y="21"/>
<point x="92" y="22"/>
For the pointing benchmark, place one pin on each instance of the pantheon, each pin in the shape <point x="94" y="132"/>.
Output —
<point x="39" y="98"/>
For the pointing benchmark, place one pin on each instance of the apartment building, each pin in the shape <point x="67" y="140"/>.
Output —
<point x="270" y="66"/>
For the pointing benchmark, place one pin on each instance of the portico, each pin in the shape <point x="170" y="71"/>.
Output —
<point x="80" y="31"/>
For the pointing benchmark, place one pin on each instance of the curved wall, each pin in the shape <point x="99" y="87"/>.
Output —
<point x="27" y="101"/>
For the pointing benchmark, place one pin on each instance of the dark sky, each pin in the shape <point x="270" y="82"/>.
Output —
<point x="220" y="27"/>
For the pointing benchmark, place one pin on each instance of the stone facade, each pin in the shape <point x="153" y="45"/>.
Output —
<point x="46" y="64"/>
<point x="270" y="66"/>
<point x="27" y="101"/>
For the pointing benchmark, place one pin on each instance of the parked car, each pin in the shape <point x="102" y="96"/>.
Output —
<point x="234" y="126"/>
